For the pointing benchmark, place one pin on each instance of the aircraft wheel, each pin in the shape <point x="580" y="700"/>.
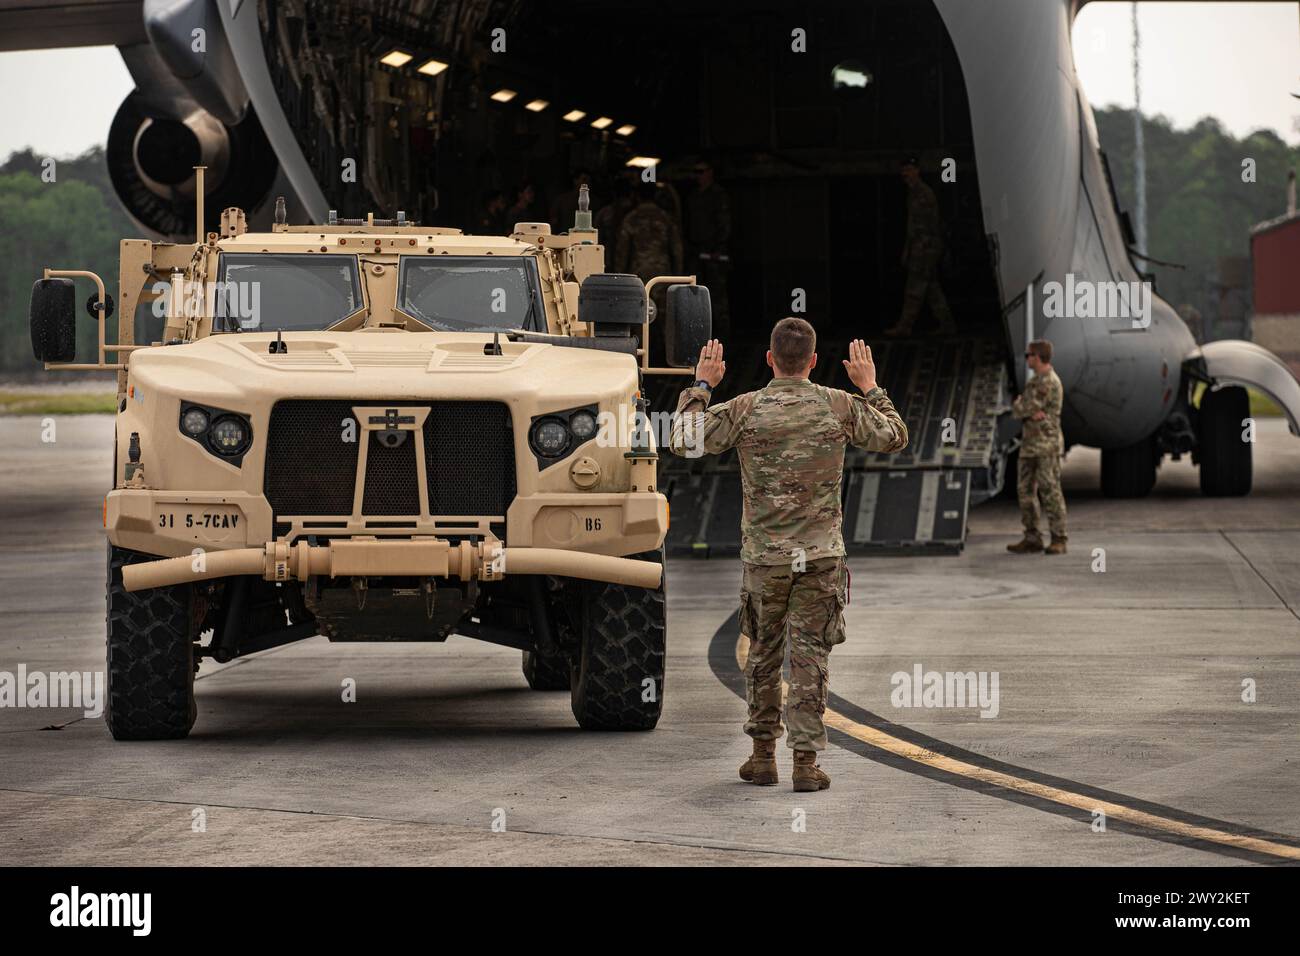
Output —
<point x="1225" y="457"/>
<point x="1129" y="472"/>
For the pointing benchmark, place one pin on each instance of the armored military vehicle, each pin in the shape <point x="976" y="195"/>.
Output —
<point x="379" y="431"/>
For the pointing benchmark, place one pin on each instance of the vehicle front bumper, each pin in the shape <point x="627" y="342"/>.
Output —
<point x="575" y="535"/>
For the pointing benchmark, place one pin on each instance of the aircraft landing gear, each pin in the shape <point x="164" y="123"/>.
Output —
<point x="1223" y="452"/>
<point x="1129" y="472"/>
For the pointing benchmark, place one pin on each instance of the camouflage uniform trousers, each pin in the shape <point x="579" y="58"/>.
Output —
<point x="809" y="606"/>
<point x="922" y="288"/>
<point x="1038" y="481"/>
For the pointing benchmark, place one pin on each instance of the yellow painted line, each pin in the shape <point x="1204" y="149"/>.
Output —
<point x="1114" y="811"/>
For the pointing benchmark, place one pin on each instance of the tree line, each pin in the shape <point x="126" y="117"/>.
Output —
<point x="1200" y="207"/>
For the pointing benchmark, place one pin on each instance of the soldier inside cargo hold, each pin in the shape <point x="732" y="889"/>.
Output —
<point x="790" y="438"/>
<point x="609" y="220"/>
<point x="649" y="245"/>
<point x="649" y="242"/>
<point x="1038" y="478"/>
<point x="922" y="250"/>
<point x="708" y="232"/>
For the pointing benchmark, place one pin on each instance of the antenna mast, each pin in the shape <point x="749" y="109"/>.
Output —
<point x="1139" y="144"/>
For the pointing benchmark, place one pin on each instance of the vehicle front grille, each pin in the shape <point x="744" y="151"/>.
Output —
<point x="392" y="483"/>
<point x="469" y="449"/>
<point x="311" y="467"/>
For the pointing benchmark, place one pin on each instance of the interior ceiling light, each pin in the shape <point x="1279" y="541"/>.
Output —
<point x="601" y="123"/>
<point x="504" y="96"/>
<point x="850" y="75"/>
<point x="396" y="58"/>
<point x="537" y="105"/>
<point x="643" y="161"/>
<point x="574" y="115"/>
<point x="626" y="130"/>
<point x="432" y="67"/>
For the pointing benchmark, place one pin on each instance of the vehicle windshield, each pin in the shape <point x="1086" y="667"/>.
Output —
<point x="293" y="293"/>
<point x="471" y="293"/>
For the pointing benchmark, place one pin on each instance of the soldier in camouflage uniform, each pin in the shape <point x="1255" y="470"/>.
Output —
<point x="921" y="253"/>
<point x="1038" y="480"/>
<point x="649" y="242"/>
<point x="790" y="437"/>
<point x="649" y="245"/>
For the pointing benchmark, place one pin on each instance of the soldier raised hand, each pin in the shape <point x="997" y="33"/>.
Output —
<point x="861" y="366"/>
<point x="711" y="367"/>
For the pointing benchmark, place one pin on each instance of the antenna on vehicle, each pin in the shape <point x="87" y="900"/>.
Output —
<point x="582" y="218"/>
<point x="198" y="202"/>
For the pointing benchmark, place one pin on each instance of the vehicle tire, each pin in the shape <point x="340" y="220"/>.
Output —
<point x="546" y="673"/>
<point x="618" y="678"/>
<point x="1129" y="472"/>
<point x="1226" y="461"/>
<point x="150" y="657"/>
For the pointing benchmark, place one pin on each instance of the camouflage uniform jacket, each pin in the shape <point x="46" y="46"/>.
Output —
<point x="1041" y="439"/>
<point x="649" y="242"/>
<point x="790" y="437"/>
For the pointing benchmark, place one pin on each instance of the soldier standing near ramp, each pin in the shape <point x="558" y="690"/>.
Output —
<point x="921" y="253"/>
<point x="1038" y="478"/>
<point x="790" y="437"/>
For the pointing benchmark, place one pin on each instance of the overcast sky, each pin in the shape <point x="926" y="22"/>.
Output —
<point x="1238" y="62"/>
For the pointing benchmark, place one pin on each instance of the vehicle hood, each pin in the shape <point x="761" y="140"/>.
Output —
<point x="237" y="370"/>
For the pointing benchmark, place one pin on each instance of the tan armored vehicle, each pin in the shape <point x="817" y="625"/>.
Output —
<point x="377" y="431"/>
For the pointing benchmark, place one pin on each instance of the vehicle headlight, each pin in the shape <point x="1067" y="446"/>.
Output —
<point x="549" y="437"/>
<point x="583" y="425"/>
<point x="230" y="436"/>
<point x="194" y="422"/>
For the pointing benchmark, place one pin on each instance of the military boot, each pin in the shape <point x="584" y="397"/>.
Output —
<point x="760" y="768"/>
<point x="1027" y="545"/>
<point x="1057" y="546"/>
<point x="809" y="777"/>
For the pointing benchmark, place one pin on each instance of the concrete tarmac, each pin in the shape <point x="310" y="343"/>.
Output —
<point x="1122" y="687"/>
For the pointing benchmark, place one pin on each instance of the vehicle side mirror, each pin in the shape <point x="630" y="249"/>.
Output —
<point x="690" y="324"/>
<point x="53" y="319"/>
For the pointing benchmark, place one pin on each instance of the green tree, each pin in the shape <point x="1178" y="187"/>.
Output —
<point x="1199" y="208"/>
<point x="74" y="222"/>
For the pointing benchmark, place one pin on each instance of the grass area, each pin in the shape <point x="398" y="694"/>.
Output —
<point x="58" y="403"/>
<point x="1261" y="406"/>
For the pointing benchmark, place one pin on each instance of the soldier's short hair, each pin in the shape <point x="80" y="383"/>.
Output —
<point x="1042" y="348"/>
<point x="793" y="343"/>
